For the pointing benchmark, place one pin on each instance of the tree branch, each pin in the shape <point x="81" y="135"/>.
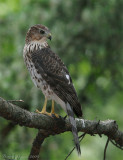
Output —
<point x="52" y="125"/>
<point x="55" y="125"/>
<point x="34" y="154"/>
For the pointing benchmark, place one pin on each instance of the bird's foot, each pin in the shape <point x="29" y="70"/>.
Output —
<point x="43" y="112"/>
<point x="46" y="113"/>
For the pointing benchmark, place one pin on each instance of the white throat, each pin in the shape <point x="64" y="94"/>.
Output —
<point x="35" y="45"/>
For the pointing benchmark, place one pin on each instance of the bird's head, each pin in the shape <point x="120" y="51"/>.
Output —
<point x="38" y="33"/>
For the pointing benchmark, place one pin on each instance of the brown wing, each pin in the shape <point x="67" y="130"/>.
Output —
<point x="57" y="76"/>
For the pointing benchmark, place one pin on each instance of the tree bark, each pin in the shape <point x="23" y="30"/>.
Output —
<point x="55" y="125"/>
<point x="52" y="125"/>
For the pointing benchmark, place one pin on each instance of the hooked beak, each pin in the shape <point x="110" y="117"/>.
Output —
<point x="49" y="36"/>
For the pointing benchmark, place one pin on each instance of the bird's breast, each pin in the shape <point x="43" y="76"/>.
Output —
<point x="37" y="77"/>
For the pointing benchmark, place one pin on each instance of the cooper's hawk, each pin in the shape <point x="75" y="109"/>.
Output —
<point x="49" y="74"/>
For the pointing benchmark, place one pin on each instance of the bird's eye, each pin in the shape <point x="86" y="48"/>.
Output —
<point x="42" y="32"/>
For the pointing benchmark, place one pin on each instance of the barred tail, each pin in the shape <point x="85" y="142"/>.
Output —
<point x="74" y="129"/>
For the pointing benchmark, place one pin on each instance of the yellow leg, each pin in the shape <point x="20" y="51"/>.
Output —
<point x="44" y="108"/>
<point x="53" y="110"/>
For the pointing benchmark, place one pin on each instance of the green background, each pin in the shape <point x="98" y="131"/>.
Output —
<point x="88" y="36"/>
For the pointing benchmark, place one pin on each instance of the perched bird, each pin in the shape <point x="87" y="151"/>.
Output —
<point x="49" y="74"/>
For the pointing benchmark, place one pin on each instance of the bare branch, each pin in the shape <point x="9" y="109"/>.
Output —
<point x="106" y="149"/>
<point x="11" y="101"/>
<point x="115" y="144"/>
<point x="34" y="154"/>
<point x="82" y="136"/>
<point x="55" y="125"/>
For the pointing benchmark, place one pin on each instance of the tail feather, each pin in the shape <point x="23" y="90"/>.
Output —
<point x="74" y="129"/>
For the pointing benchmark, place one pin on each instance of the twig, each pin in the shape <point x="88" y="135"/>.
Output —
<point x="82" y="136"/>
<point x="115" y="144"/>
<point x="11" y="101"/>
<point x="70" y="153"/>
<point x="106" y="149"/>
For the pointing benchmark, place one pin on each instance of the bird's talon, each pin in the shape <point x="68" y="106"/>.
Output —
<point x="43" y="112"/>
<point x="37" y="111"/>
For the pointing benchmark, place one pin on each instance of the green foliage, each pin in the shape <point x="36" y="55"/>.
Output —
<point x="88" y="36"/>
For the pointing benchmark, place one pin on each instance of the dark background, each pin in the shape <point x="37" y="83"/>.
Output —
<point x="88" y="36"/>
